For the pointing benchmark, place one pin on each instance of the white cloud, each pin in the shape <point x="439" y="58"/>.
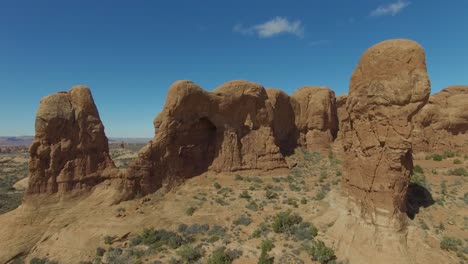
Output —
<point x="391" y="9"/>
<point x="318" y="42"/>
<point x="273" y="27"/>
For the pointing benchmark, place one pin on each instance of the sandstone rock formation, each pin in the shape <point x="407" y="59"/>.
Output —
<point x="316" y="118"/>
<point x="70" y="149"/>
<point x="388" y="87"/>
<point x="442" y="124"/>
<point x="237" y="126"/>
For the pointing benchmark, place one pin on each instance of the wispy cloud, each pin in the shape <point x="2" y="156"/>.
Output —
<point x="319" y="42"/>
<point x="273" y="27"/>
<point x="391" y="9"/>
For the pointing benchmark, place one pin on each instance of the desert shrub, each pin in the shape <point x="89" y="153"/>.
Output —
<point x="458" y="172"/>
<point x="195" y="229"/>
<point x="292" y="202"/>
<point x="220" y="256"/>
<point x="320" y="252"/>
<point x="238" y="177"/>
<point x="42" y="261"/>
<point x="322" y="192"/>
<point x="305" y="231"/>
<point x="418" y="169"/>
<point x="284" y="221"/>
<point x="304" y="200"/>
<point x="189" y="254"/>
<point x="465" y="198"/>
<point x="108" y="239"/>
<point x="217" y="230"/>
<point x="450" y="243"/>
<point x="270" y="194"/>
<point x="253" y="206"/>
<point x="190" y="210"/>
<point x="448" y="154"/>
<point x="423" y="224"/>
<point x="221" y="201"/>
<point x="457" y="161"/>
<point x="437" y="157"/>
<point x="243" y="220"/>
<point x="261" y="230"/>
<point x="245" y="195"/>
<point x="217" y="185"/>
<point x="182" y="227"/>
<point x="266" y="246"/>
<point x="158" y="238"/>
<point x="100" y="251"/>
<point x="419" y="179"/>
<point x="115" y="256"/>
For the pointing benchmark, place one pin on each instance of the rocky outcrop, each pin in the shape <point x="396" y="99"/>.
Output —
<point x="70" y="150"/>
<point x="388" y="87"/>
<point x="237" y="126"/>
<point x="316" y="118"/>
<point x="442" y="124"/>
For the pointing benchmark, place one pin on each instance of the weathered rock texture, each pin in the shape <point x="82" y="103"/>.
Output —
<point x="341" y="112"/>
<point x="237" y="126"/>
<point x="70" y="150"/>
<point x="442" y="124"/>
<point x="388" y="87"/>
<point x="316" y="118"/>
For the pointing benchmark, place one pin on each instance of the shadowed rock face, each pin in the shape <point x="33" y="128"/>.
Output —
<point x="237" y="126"/>
<point x="442" y="124"/>
<point x="70" y="150"/>
<point x="388" y="87"/>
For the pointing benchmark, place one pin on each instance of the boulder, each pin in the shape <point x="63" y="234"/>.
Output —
<point x="442" y="124"/>
<point x="387" y="89"/>
<point x="70" y="150"/>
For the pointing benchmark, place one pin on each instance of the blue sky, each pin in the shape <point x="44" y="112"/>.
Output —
<point x="130" y="52"/>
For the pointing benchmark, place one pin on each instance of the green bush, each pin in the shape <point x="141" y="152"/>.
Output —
<point x="457" y="161"/>
<point x="418" y="169"/>
<point x="253" y="206"/>
<point x="238" y="177"/>
<point x="271" y="195"/>
<point x="108" y="240"/>
<point x="458" y="172"/>
<point x="220" y="256"/>
<point x="42" y="261"/>
<point x="449" y="154"/>
<point x="450" y="243"/>
<point x="419" y="179"/>
<point x="437" y="157"/>
<point x="158" y="238"/>
<point x="320" y="252"/>
<point x="190" y="210"/>
<point x="267" y="246"/>
<point x="284" y="221"/>
<point x="322" y="192"/>
<point x="245" y="195"/>
<point x="305" y="231"/>
<point x="189" y="254"/>
<point x="100" y="251"/>
<point x="465" y="198"/>
<point x="217" y="185"/>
